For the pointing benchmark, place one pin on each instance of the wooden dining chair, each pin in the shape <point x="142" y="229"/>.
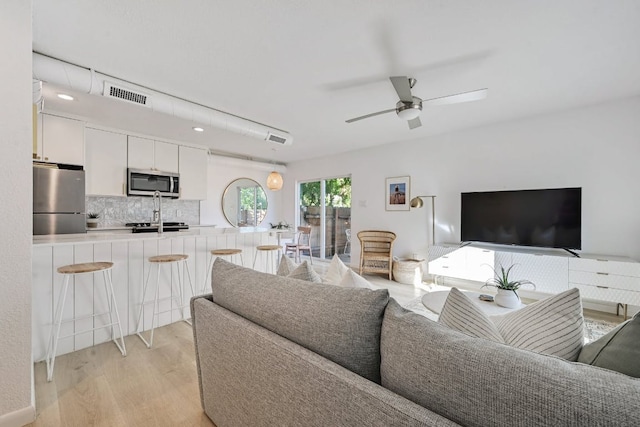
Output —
<point x="302" y="243"/>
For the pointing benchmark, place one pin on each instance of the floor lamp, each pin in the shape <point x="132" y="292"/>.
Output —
<point x="417" y="202"/>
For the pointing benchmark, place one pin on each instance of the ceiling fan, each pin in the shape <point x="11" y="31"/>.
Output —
<point x="408" y="107"/>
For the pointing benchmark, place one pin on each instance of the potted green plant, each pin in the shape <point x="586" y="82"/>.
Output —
<point x="507" y="289"/>
<point x="92" y="219"/>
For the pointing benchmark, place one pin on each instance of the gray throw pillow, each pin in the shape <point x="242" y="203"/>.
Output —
<point x="286" y="266"/>
<point x="619" y="350"/>
<point x="341" y="324"/>
<point x="305" y="272"/>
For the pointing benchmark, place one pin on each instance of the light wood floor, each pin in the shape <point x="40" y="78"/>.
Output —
<point x="149" y="387"/>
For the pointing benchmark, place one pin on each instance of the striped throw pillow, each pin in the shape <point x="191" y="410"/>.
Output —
<point x="551" y="326"/>
<point x="462" y="314"/>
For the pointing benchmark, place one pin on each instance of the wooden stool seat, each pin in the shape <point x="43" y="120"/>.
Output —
<point x="232" y="253"/>
<point x="159" y="260"/>
<point x="87" y="267"/>
<point x="168" y="258"/>
<point x="114" y="317"/>
<point x="223" y="252"/>
<point x="268" y="248"/>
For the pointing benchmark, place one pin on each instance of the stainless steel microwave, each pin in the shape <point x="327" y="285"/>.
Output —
<point x="142" y="182"/>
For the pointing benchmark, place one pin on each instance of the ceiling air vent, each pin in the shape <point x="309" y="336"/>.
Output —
<point x="118" y="92"/>
<point x="277" y="139"/>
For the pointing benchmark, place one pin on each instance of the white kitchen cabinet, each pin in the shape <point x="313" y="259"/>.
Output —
<point x="152" y="155"/>
<point x="62" y="140"/>
<point x="106" y="163"/>
<point x="193" y="173"/>
<point x="166" y="157"/>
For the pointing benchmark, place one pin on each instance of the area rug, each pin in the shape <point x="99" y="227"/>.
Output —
<point x="593" y="329"/>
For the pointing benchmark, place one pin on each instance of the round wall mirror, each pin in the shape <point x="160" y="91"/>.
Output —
<point x="244" y="203"/>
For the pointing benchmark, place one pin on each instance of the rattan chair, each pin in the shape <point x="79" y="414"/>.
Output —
<point x="376" y="251"/>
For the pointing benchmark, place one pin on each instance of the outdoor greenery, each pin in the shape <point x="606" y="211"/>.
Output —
<point x="337" y="193"/>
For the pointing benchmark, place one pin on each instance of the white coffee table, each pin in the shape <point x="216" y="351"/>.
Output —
<point x="434" y="301"/>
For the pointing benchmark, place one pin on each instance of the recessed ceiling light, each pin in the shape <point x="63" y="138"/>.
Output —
<point x="65" y="97"/>
<point x="197" y="129"/>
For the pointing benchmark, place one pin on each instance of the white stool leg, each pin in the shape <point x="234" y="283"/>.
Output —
<point x="255" y="257"/>
<point x="144" y="294"/>
<point x="241" y="260"/>
<point x="55" y="329"/>
<point x="208" y="274"/>
<point x="113" y="306"/>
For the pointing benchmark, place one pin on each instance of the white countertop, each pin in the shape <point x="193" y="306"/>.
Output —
<point x="124" y="234"/>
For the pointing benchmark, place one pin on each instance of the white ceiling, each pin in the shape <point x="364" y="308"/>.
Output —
<point x="307" y="66"/>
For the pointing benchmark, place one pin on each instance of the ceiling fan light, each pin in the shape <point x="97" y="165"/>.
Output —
<point x="274" y="181"/>
<point x="409" y="112"/>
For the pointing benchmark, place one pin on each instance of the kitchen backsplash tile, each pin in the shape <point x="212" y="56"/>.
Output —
<point x="117" y="211"/>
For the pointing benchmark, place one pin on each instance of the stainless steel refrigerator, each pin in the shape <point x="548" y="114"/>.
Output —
<point x="58" y="199"/>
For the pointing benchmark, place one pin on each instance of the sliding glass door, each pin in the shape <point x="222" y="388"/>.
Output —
<point x="325" y="205"/>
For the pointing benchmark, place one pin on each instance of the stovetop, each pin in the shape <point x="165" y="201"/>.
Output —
<point x="147" y="227"/>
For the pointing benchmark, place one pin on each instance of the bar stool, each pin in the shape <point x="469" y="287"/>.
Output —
<point x="268" y="250"/>
<point x="71" y="270"/>
<point x="231" y="253"/>
<point x="159" y="260"/>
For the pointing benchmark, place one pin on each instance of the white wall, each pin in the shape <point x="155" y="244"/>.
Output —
<point x="15" y="211"/>
<point x="221" y="172"/>
<point x="596" y="148"/>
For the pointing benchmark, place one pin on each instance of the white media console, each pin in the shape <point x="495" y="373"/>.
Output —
<point x="601" y="278"/>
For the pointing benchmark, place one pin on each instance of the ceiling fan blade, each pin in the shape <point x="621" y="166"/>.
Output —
<point x="474" y="95"/>
<point x="369" y="115"/>
<point x="414" y="123"/>
<point x="402" y="87"/>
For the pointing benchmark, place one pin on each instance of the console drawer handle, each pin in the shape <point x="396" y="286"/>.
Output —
<point x="484" y="250"/>
<point x="602" y="274"/>
<point x="602" y="260"/>
<point x="602" y="287"/>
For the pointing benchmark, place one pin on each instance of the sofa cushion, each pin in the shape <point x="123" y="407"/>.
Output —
<point x="551" y="326"/>
<point x="305" y="272"/>
<point x="477" y="382"/>
<point x="286" y="266"/>
<point x="619" y="350"/>
<point x="340" y="324"/>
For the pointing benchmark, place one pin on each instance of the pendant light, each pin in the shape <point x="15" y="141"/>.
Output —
<point x="274" y="180"/>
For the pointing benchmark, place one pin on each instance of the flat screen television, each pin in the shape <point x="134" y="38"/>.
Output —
<point x="548" y="218"/>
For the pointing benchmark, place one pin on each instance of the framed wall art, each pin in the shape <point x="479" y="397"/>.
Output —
<point x="398" y="193"/>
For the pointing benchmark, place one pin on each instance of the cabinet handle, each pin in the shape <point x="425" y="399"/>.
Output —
<point x="124" y="191"/>
<point x="46" y="158"/>
<point x="537" y="255"/>
<point x="445" y="266"/>
<point x="484" y="250"/>
<point x="602" y="274"/>
<point x="602" y="260"/>
<point x="602" y="287"/>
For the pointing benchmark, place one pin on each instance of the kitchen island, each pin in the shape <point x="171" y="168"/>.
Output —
<point x="129" y="252"/>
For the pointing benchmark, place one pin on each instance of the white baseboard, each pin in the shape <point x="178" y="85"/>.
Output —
<point x="19" y="418"/>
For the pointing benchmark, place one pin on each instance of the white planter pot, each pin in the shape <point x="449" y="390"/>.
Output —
<point x="507" y="299"/>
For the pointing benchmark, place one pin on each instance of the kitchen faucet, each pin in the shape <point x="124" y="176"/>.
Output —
<point x="157" y="213"/>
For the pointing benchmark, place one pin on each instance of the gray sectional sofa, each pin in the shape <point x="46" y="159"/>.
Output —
<point x="280" y="351"/>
